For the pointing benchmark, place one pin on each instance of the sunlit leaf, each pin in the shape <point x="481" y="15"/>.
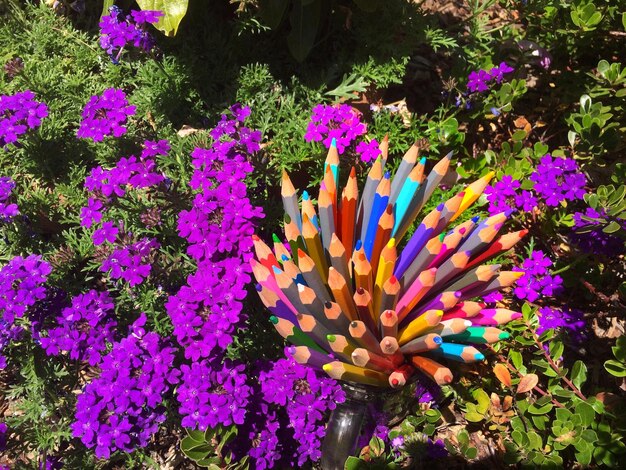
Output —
<point x="174" y="11"/>
<point x="527" y="383"/>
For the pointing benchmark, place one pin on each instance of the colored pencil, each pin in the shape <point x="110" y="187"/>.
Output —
<point x="293" y="234"/>
<point x="440" y="374"/>
<point x="421" y="344"/>
<point x="364" y="336"/>
<point x="502" y="244"/>
<point x="327" y="217"/>
<point x="365" y="309"/>
<point x="504" y="279"/>
<point x="391" y="349"/>
<point x="279" y="248"/>
<point x="314" y="328"/>
<point x="341" y="346"/>
<point x="350" y="373"/>
<point x="309" y="356"/>
<point x="465" y="309"/>
<point x="399" y="377"/>
<point x="290" y="200"/>
<point x="385" y="270"/>
<point x="264" y="278"/>
<point x="264" y="253"/>
<point x="336" y="318"/>
<point x="339" y="258"/>
<point x="383" y="235"/>
<point x="449" y="209"/>
<point x="391" y="289"/>
<point x="406" y="165"/>
<point x="341" y="293"/>
<point x="479" y="334"/>
<point x="418" y="240"/>
<point x="363" y="272"/>
<point x="415" y="292"/>
<point x="365" y="206"/>
<point x="473" y="192"/>
<point x="407" y="193"/>
<point x="423" y="194"/>
<point x="458" y="352"/>
<point x="330" y="185"/>
<point x="422" y="324"/>
<point x="348" y="212"/>
<point x="312" y="276"/>
<point x="442" y="301"/>
<point x="308" y="209"/>
<point x="447" y="328"/>
<point x="274" y="304"/>
<point x="289" y="288"/>
<point x="364" y="358"/>
<point x="379" y="205"/>
<point x="332" y="160"/>
<point x="293" y="334"/>
<point x="422" y="262"/>
<point x="468" y="280"/>
<point x="314" y="247"/>
<point x="495" y="316"/>
<point x="389" y="323"/>
<point x="384" y="148"/>
<point x="312" y="303"/>
<point x="292" y="270"/>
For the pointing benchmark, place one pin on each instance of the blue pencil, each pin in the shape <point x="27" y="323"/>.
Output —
<point x="381" y="198"/>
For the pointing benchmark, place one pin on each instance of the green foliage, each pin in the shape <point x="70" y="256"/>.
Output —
<point x="173" y="13"/>
<point x="617" y="366"/>
<point x="206" y="448"/>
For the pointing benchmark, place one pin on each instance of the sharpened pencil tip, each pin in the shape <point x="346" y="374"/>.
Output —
<point x="358" y="245"/>
<point x="447" y="379"/>
<point x="274" y="319"/>
<point x="291" y="350"/>
<point x="479" y="356"/>
<point x="327" y="367"/>
<point x="504" y="335"/>
<point x="395" y="382"/>
<point x="437" y="340"/>
<point x="423" y="161"/>
<point x="333" y="142"/>
<point x="305" y="195"/>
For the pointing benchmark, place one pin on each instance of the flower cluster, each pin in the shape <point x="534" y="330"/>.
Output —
<point x="19" y="113"/>
<point x="536" y="280"/>
<point x="590" y="238"/>
<point x="480" y="81"/>
<point x="505" y="195"/>
<point x="21" y="286"/>
<point x="122" y="408"/>
<point x="218" y="228"/>
<point x="105" y="115"/>
<point x="306" y="397"/>
<point x="83" y="329"/>
<point x="340" y="123"/>
<point x="137" y="173"/>
<point x="7" y="210"/>
<point x="558" y="179"/>
<point x="567" y="319"/>
<point x="117" y="30"/>
<point x="131" y="262"/>
<point x="209" y="397"/>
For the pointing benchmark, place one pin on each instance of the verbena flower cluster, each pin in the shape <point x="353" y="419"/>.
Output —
<point x="210" y="396"/>
<point x="21" y="286"/>
<point x="481" y="80"/>
<point x="83" y="329"/>
<point x="537" y="280"/>
<point x="342" y="123"/>
<point x="7" y="210"/>
<point x="570" y="320"/>
<point x="131" y="263"/>
<point x="306" y="397"/>
<point x="590" y="238"/>
<point x="506" y="195"/>
<point x="118" y="30"/>
<point x="218" y="227"/>
<point x="105" y="115"/>
<point x="558" y="179"/>
<point x="19" y="113"/>
<point x="123" y="407"/>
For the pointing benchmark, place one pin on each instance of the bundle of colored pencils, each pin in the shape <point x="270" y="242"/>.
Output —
<point x="355" y="306"/>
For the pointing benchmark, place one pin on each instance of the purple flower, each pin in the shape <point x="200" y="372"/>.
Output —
<point x="590" y="238"/>
<point x="7" y="210"/>
<point x="368" y="150"/>
<point x="558" y="179"/>
<point x="341" y="123"/>
<point x="536" y="280"/>
<point x="3" y="436"/>
<point x="105" y="115"/>
<point x="118" y="30"/>
<point x="91" y="213"/>
<point x="131" y="262"/>
<point x="19" y="113"/>
<point x="570" y="320"/>
<point x="480" y="81"/>
<point x="107" y="233"/>
<point x="502" y="195"/>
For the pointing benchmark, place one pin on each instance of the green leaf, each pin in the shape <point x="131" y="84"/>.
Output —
<point x="174" y="11"/>
<point x="304" y="19"/>
<point x="377" y="446"/>
<point x="353" y="463"/>
<point x="471" y="453"/>
<point x="579" y="373"/>
<point x="540" y="410"/>
<point x="586" y="413"/>
<point x="483" y="400"/>
<point x="106" y="4"/>
<point x="473" y="417"/>
<point x="615" y="368"/>
<point x="624" y="20"/>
